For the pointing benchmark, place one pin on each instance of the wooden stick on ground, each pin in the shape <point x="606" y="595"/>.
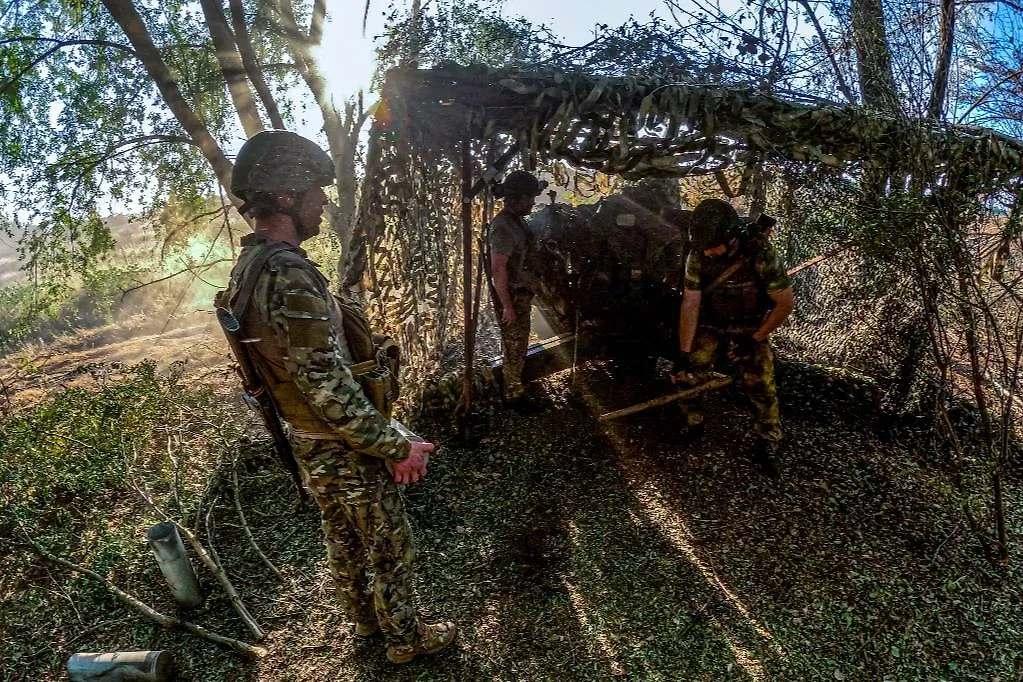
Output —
<point x="215" y="568"/>
<point x="221" y="575"/>
<point x="149" y="612"/>
<point x="712" y="384"/>
<point x="245" y="525"/>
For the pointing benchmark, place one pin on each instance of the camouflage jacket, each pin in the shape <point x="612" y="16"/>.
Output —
<point x="295" y="336"/>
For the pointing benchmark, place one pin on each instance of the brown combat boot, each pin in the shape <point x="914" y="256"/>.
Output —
<point x="366" y="629"/>
<point x="765" y="455"/>
<point x="431" y="639"/>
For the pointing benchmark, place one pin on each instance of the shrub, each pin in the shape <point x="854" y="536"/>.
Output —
<point x="79" y="453"/>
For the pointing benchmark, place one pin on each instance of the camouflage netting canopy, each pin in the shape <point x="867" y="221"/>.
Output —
<point x="641" y="127"/>
<point x="438" y="129"/>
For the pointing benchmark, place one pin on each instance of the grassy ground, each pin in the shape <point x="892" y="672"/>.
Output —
<point x="570" y="551"/>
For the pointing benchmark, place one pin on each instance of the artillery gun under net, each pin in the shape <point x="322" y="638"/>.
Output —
<point x="618" y="264"/>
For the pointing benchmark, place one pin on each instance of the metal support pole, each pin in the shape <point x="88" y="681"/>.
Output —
<point x="467" y="272"/>
<point x="170" y="554"/>
<point x="481" y="265"/>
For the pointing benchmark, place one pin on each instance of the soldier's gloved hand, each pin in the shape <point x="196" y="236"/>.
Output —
<point x="743" y="348"/>
<point x="413" y="467"/>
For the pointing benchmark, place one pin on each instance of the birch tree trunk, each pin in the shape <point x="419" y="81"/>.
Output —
<point x="231" y="66"/>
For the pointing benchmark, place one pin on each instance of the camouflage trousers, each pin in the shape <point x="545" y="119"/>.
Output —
<point x="366" y="531"/>
<point x="514" y="342"/>
<point x="755" y="376"/>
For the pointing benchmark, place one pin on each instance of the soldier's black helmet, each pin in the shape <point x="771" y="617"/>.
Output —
<point x="714" y="223"/>
<point x="280" y="161"/>
<point x="521" y="183"/>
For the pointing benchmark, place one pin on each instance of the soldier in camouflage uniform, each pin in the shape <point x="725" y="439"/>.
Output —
<point x="304" y="345"/>
<point x="736" y="293"/>
<point x="512" y="255"/>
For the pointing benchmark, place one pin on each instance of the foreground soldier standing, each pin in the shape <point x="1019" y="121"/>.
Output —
<point x="736" y="293"/>
<point x="303" y="344"/>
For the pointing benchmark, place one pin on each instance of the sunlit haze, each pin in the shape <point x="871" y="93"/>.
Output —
<point x="347" y="53"/>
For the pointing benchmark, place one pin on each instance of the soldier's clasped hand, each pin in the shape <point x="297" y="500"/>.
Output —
<point x="413" y="467"/>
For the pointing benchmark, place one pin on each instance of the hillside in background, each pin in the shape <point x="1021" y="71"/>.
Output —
<point x="131" y="237"/>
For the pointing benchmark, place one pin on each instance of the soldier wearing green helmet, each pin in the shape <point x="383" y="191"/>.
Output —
<point x="512" y="249"/>
<point x="313" y="353"/>
<point x="737" y="292"/>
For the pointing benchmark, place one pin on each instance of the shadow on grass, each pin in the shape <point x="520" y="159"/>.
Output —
<point x="570" y="551"/>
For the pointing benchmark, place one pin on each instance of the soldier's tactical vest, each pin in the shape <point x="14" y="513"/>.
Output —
<point x="374" y="359"/>
<point x="739" y="302"/>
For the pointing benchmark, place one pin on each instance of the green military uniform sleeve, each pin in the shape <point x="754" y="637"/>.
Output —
<point x="771" y="270"/>
<point x="694" y="268"/>
<point x="505" y="237"/>
<point x="312" y="352"/>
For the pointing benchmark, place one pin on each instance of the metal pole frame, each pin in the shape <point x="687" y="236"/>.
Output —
<point x="467" y="273"/>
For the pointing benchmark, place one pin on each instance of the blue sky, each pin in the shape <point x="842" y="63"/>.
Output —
<point x="347" y="56"/>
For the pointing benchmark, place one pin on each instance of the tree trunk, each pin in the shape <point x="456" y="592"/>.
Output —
<point x="252" y="65"/>
<point x="873" y="57"/>
<point x="415" y="44"/>
<point x="316" y="22"/>
<point x="342" y="150"/>
<point x="355" y="116"/>
<point x="231" y="66"/>
<point x="936" y="106"/>
<point x="127" y="17"/>
<point x="877" y="82"/>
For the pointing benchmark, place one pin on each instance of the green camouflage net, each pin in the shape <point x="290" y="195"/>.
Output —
<point x="639" y="127"/>
<point x="407" y="242"/>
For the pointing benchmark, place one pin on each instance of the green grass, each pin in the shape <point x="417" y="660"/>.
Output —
<point x="565" y="550"/>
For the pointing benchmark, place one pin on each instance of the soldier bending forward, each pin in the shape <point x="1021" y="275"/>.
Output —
<point x="736" y="293"/>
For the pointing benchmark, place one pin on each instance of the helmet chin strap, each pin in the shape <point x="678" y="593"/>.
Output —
<point x="296" y="217"/>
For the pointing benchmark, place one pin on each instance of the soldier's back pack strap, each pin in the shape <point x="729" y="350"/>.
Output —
<point x="723" y="277"/>
<point x="248" y="281"/>
<point x="255" y="392"/>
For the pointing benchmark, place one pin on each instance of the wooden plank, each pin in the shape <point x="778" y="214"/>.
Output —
<point x="711" y="385"/>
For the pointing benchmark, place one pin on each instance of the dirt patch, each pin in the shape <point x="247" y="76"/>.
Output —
<point x="194" y="346"/>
